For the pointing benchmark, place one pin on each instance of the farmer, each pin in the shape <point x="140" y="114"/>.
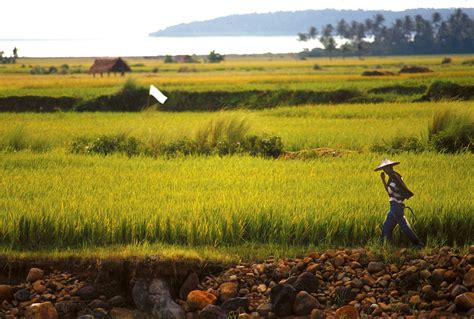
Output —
<point x="397" y="193"/>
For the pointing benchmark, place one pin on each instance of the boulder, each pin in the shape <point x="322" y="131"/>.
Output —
<point x="212" y="312"/>
<point x="6" y="292"/>
<point x="43" y="310"/>
<point x="347" y="312"/>
<point x="282" y="298"/>
<point x="228" y="290"/>
<point x="154" y="298"/>
<point x="234" y="304"/>
<point x="465" y="301"/>
<point x="191" y="283"/>
<point x="198" y="299"/>
<point x="304" y="304"/>
<point x="34" y="274"/>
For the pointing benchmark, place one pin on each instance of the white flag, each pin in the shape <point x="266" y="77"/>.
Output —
<point x="157" y="94"/>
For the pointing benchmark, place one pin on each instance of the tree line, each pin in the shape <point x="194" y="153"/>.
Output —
<point x="408" y="35"/>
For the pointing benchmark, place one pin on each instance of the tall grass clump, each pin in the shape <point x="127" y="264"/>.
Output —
<point x="452" y="131"/>
<point x="19" y="139"/>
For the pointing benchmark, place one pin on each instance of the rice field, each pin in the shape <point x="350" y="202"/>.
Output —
<point x="51" y="200"/>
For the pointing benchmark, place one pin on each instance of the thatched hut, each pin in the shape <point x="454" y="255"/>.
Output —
<point x="109" y="65"/>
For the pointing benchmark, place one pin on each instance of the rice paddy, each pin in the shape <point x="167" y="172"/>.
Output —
<point x="53" y="200"/>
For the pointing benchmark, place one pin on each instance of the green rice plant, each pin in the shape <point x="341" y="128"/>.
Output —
<point x="452" y="131"/>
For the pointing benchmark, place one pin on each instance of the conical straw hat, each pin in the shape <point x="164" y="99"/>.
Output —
<point x="386" y="162"/>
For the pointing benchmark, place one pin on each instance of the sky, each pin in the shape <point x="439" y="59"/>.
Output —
<point x="93" y="19"/>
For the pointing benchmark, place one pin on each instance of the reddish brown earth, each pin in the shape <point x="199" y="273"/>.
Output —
<point x="342" y="283"/>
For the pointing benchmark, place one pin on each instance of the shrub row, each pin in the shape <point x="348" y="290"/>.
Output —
<point x="270" y="147"/>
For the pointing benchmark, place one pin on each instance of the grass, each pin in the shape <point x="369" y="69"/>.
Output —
<point x="57" y="200"/>
<point x="232" y="207"/>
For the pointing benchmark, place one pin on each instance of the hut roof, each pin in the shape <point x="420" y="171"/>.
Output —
<point x="109" y="65"/>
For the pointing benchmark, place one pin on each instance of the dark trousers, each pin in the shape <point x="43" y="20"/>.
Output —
<point x="396" y="216"/>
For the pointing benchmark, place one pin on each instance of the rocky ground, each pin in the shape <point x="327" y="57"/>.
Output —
<point x="345" y="283"/>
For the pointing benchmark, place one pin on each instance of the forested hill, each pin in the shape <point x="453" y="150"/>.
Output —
<point x="288" y="23"/>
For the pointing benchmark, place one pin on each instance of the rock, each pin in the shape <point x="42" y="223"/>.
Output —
<point x="87" y="293"/>
<point x="471" y="249"/>
<point x="245" y="316"/>
<point x="34" y="274"/>
<point x="465" y="301"/>
<point x="304" y="304"/>
<point x="99" y="313"/>
<point x="191" y="283"/>
<point x="234" y="304"/>
<point x="228" y="290"/>
<point x="429" y="293"/>
<point x="438" y="275"/>
<point x="368" y="280"/>
<point x="468" y="280"/>
<point x="6" y="292"/>
<point x="384" y="307"/>
<point x="347" y="312"/>
<point x="22" y="295"/>
<point x="457" y="290"/>
<point x="317" y="314"/>
<point x="38" y="286"/>
<point x="43" y="310"/>
<point x="117" y="301"/>
<point x="262" y="288"/>
<point x="357" y="283"/>
<point x="450" y="276"/>
<point x="86" y="317"/>
<point x="415" y="300"/>
<point x="339" y="261"/>
<point x="66" y="309"/>
<point x="97" y="303"/>
<point x="212" y="312"/>
<point x="264" y="309"/>
<point x="121" y="313"/>
<point x="375" y="266"/>
<point x="282" y="298"/>
<point x="154" y="298"/>
<point x="198" y="299"/>
<point x="306" y="282"/>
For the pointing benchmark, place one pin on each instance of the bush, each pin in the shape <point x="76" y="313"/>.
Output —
<point x="107" y="144"/>
<point x="214" y="57"/>
<point x="446" y="60"/>
<point x="185" y="69"/>
<point x="400" y="144"/>
<point x="439" y="90"/>
<point x="168" y="59"/>
<point x="452" y="131"/>
<point x="317" y="67"/>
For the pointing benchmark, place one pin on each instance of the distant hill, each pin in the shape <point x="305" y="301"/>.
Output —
<point x="287" y="22"/>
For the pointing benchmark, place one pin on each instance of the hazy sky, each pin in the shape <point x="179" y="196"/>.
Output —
<point x="48" y="19"/>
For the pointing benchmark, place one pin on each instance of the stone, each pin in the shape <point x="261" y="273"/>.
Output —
<point x="415" y="300"/>
<point x="86" y="317"/>
<point x="191" y="283"/>
<point x="34" y="274"/>
<point x="450" y="275"/>
<point x="7" y="292"/>
<point x="38" y="286"/>
<point x="87" y="293"/>
<point x="22" y="295"/>
<point x="384" y="307"/>
<point x="43" y="310"/>
<point x="121" y="313"/>
<point x="282" y="297"/>
<point x="457" y="290"/>
<point x="471" y="249"/>
<point x="468" y="279"/>
<point x="117" y="301"/>
<point x="438" y="275"/>
<point x="198" y="299"/>
<point x="66" y="309"/>
<point x="368" y="280"/>
<point x="357" y="283"/>
<point x="234" y="304"/>
<point x="212" y="312"/>
<point x="347" y="312"/>
<point x="264" y="309"/>
<point x="339" y="261"/>
<point x="99" y="313"/>
<point x="317" y="314"/>
<point x="304" y="304"/>
<point x="306" y="282"/>
<point x="228" y="290"/>
<point x="245" y="316"/>
<point x="97" y="303"/>
<point x="375" y="266"/>
<point x="465" y="301"/>
<point x="262" y="288"/>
